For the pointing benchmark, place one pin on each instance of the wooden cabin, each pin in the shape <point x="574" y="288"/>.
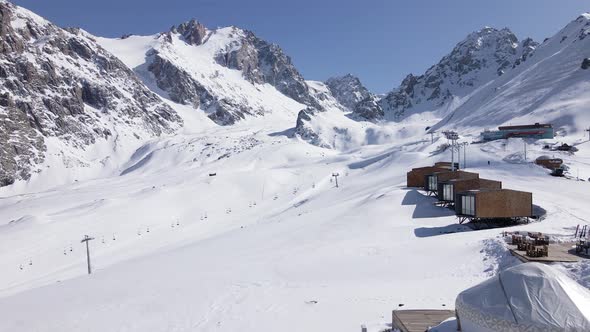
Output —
<point x="493" y="204"/>
<point x="415" y="177"/>
<point x="447" y="189"/>
<point x="431" y="180"/>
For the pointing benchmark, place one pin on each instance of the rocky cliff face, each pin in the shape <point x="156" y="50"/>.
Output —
<point x="481" y="57"/>
<point x="369" y="108"/>
<point x="193" y="32"/>
<point x="352" y="94"/>
<point x="60" y="83"/>
<point x="305" y="130"/>
<point x="348" y="90"/>
<point x="264" y="62"/>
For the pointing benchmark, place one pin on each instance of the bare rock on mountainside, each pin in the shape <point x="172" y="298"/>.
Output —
<point x="369" y="108"/>
<point x="193" y="32"/>
<point x="60" y="83"/>
<point x="180" y="85"/>
<point x="305" y="131"/>
<point x="348" y="90"/>
<point x="264" y="62"/>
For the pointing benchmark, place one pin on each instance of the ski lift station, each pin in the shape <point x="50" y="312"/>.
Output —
<point x="536" y="131"/>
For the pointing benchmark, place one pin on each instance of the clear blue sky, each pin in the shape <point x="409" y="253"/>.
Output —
<point x="381" y="41"/>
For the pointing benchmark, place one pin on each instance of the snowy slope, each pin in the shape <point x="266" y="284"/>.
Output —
<point x="281" y="248"/>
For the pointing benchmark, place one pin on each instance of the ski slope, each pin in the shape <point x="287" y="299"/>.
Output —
<point x="267" y="244"/>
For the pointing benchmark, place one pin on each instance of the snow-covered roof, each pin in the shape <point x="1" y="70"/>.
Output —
<point x="527" y="297"/>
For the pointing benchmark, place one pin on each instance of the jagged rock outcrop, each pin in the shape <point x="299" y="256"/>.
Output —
<point x="481" y="57"/>
<point x="369" y="108"/>
<point x="352" y="94"/>
<point x="304" y="129"/>
<point x="193" y="32"/>
<point x="60" y="83"/>
<point x="348" y="90"/>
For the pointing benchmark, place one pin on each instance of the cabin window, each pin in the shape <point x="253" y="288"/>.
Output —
<point x="468" y="205"/>
<point x="432" y="183"/>
<point x="448" y="192"/>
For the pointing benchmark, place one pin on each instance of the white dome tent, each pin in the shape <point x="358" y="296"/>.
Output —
<point x="529" y="297"/>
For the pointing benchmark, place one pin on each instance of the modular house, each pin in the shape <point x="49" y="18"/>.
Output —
<point x="493" y="204"/>
<point x="415" y="177"/>
<point x="447" y="189"/>
<point x="431" y="180"/>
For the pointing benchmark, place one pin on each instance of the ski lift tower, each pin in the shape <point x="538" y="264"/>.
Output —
<point x="452" y="136"/>
<point x="87" y="239"/>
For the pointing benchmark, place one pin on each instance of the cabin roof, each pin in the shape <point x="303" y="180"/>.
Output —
<point x="477" y="191"/>
<point x="531" y="126"/>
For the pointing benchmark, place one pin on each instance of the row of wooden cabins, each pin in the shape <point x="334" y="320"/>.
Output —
<point x="472" y="197"/>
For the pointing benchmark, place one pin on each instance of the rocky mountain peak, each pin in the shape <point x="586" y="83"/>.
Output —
<point x="348" y="90"/>
<point x="193" y="32"/>
<point x="482" y="56"/>
<point x="263" y="62"/>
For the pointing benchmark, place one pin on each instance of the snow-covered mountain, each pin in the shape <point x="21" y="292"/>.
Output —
<point x="480" y="58"/>
<point x="229" y="73"/>
<point x="72" y="100"/>
<point x="550" y="86"/>
<point x="62" y="95"/>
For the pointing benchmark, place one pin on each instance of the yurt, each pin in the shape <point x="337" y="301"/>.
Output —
<point x="529" y="297"/>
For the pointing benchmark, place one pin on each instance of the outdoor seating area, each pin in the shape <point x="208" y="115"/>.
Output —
<point x="538" y="247"/>
<point x="533" y="244"/>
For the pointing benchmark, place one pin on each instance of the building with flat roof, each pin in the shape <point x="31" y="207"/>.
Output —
<point x="536" y="131"/>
